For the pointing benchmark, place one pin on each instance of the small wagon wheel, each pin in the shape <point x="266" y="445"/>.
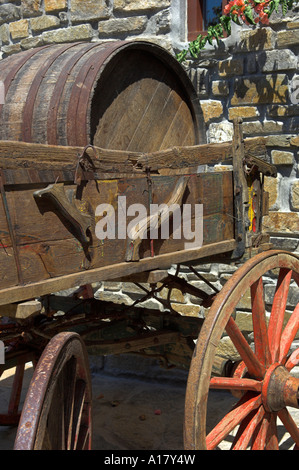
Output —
<point x="262" y="380"/>
<point x="57" y="410"/>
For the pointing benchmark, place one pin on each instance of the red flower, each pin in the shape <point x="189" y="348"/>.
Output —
<point x="238" y="7"/>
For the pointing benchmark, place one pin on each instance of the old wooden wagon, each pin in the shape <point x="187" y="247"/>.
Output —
<point x="90" y="132"/>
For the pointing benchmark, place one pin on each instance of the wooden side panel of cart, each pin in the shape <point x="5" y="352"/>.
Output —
<point x="44" y="245"/>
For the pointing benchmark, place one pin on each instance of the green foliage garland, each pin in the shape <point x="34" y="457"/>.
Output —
<point x="248" y="12"/>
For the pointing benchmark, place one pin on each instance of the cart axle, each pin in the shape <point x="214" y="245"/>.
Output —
<point x="280" y="389"/>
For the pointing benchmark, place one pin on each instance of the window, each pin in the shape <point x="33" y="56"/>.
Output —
<point x="201" y="14"/>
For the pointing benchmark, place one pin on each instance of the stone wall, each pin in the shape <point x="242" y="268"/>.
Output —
<point x="31" y="23"/>
<point x="249" y="75"/>
<point x="254" y="78"/>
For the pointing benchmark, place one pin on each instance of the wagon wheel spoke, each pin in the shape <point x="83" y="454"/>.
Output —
<point x="255" y="368"/>
<point x="243" y="408"/>
<point x="78" y="409"/>
<point x="266" y="435"/>
<point x="70" y="381"/>
<point x="296" y="278"/>
<point x="288" y="335"/>
<point x="228" y="383"/>
<point x="290" y="425"/>
<point x="53" y="433"/>
<point x="247" y="429"/>
<point x="272" y="439"/>
<point x="262" y="379"/>
<point x="262" y="350"/>
<point x="293" y="360"/>
<point x="278" y="311"/>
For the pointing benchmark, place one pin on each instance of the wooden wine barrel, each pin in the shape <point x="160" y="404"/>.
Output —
<point x="118" y="95"/>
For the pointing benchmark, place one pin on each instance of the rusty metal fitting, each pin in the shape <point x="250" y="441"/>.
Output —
<point x="280" y="389"/>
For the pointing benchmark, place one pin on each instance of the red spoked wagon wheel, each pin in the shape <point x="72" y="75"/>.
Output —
<point x="57" y="410"/>
<point x="262" y="384"/>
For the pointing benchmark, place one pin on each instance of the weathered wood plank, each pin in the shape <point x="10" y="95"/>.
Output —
<point x="44" y="287"/>
<point x="49" y="244"/>
<point x="151" y="277"/>
<point x="39" y="156"/>
<point x="135" y="102"/>
<point x="21" y="155"/>
<point x="22" y="310"/>
<point x="206" y="154"/>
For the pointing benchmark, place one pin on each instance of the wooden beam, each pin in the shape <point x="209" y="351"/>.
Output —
<point x="21" y="311"/>
<point x="165" y="261"/>
<point x="147" y="277"/>
<point x="22" y="155"/>
<point x="126" y="345"/>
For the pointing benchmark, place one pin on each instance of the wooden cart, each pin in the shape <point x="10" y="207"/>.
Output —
<point x="50" y="223"/>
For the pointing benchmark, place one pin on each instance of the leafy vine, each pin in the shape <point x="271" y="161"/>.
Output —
<point x="248" y="12"/>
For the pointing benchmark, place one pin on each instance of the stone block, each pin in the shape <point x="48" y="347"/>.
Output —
<point x="228" y="268"/>
<point x="116" y="26"/>
<point x="19" y="29"/>
<point x="131" y="288"/>
<point x="44" y="22"/>
<point x="11" y="49"/>
<point x="264" y="89"/>
<point x="31" y="8"/>
<point x="293" y="25"/>
<point x="160" y="23"/>
<point x="226" y="349"/>
<point x="211" y="109"/>
<point x="115" y="297"/>
<point x="288" y="38"/>
<point x="30" y="43"/>
<point x="244" y="320"/>
<point x="4" y="34"/>
<point x="283" y="110"/>
<point x="293" y="297"/>
<point x="292" y="124"/>
<point x="9" y="12"/>
<point x="245" y="301"/>
<point x="265" y="127"/>
<point x="88" y="10"/>
<point x="187" y="310"/>
<point x="151" y="304"/>
<point x="55" y="5"/>
<point x="281" y="223"/>
<point x="137" y="5"/>
<point x="257" y="40"/>
<point x="284" y="140"/>
<point x="221" y="132"/>
<point x="200" y="79"/>
<point x="251" y="63"/>
<point x="220" y="88"/>
<point x="82" y="32"/>
<point x="230" y="67"/>
<point x="112" y="285"/>
<point x="272" y="61"/>
<point x="280" y="157"/>
<point x="295" y="196"/>
<point x="244" y="112"/>
<point x="284" y="243"/>
<point x="174" y="295"/>
<point x="271" y="185"/>
<point x="63" y="16"/>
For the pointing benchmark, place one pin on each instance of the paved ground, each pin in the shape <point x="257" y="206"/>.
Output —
<point x="134" y="413"/>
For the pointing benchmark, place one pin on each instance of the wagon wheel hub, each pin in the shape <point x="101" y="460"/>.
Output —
<point x="279" y="389"/>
